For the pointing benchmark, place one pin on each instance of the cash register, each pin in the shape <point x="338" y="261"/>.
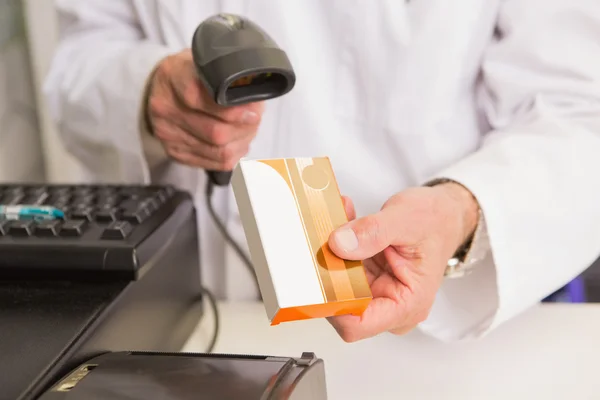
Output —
<point x="100" y="288"/>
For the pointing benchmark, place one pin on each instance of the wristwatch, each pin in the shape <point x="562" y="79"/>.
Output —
<point x="475" y="248"/>
<point x="468" y="256"/>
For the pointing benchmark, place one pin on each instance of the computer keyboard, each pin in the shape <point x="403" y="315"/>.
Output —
<point x="106" y="230"/>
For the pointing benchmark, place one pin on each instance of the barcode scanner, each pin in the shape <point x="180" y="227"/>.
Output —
<point x="239" y="63"/>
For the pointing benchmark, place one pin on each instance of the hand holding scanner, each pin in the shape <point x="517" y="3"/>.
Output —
<point x="239" y="63"/>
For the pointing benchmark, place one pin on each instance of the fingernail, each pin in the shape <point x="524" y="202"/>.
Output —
<point x="346" y="239"/>
<point x="249" y="117"/>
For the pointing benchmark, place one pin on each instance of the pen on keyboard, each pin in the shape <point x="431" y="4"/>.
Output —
<point x="30" y="212"/>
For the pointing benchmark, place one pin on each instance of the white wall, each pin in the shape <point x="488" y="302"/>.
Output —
<point x="21" y="156"/>
<point x="42" y="34"/>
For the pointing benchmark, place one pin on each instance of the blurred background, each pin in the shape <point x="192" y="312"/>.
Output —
<point x="29" y="147"/>
<point x="21" y="155"/>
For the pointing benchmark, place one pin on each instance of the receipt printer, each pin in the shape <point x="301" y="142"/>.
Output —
<point x="188" y="376"/>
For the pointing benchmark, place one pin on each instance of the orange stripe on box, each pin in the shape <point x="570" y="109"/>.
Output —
<point x="319" y="183"/>
<point x="337" y="217"/>
<point x="281" y="168"/>
<point x="358" y="278"/>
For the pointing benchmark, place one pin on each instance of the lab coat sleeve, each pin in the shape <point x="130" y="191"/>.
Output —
<point x="96" y="84"/>
<point x="536" y="174"/>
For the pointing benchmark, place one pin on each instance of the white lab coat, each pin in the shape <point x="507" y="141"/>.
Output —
<point x="502" y="96"/>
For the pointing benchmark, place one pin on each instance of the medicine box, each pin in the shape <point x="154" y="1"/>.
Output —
<point x="289" y="207"/>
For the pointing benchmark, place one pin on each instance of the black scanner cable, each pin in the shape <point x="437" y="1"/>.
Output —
<point x="210" y="186"/>
<point x="213" y="305"/>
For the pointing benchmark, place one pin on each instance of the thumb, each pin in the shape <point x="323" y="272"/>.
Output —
<point x="362" y="238"/>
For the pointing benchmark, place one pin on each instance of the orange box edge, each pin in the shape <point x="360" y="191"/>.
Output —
<point x="336" y="308"/>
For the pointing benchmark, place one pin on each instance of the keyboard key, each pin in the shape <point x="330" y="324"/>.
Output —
<point x="4" y="224"/>
<point x="83" y="212"/>
<point x="117" y="230"/>
<point x="12" y="199"/>
<point x="163" y="194"/>
<point x="129" y="205"/>
<point x="110" y="201"/>
<point x="106" y="191"/>
<point x="131" y="213"/>
<point x="106" y="214"/>
<point x="47" y="228"/>
<point x="133" y="191"/>
<point x="65" y="209"/>
<point x="21" y="228"/>
<point x="149" y="205"/>
<point x="81" y="206"/>
<point x="15" y="190"/>
<point x="60" y="190"/>
<point x="87" y="199"/>
<point x="135" y="216"/>
<point x="73" y="228"/>
<point x="34" y="199"/>
<point x="160" y="197"/>
<point x="169" y="191"/>
<point x="37" y="190"/>
<point x="82" y="191"/>
<point x="54" y="197"/>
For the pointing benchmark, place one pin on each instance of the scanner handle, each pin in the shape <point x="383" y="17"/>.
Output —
<point x="219" y="178"/>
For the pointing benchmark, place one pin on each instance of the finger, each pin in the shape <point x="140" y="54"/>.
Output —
<point x="405" y="270"/>
<point x="380" y="316"/>
<point x="223" y="158"/>
<point x="228" y="143"/>
<point x="186" y="157"/>
<point x="371" y="275"/>
<point x="191" y="151"/>
<point x="212" y="130"/>
<point x="349" y="207"/>
<point x="192" y="95"/>
<point x="175" y="136"/>
<point x="244" y="115"/>
<point x="171" y="133"/>
<point x="371" y="271"/>
<point x="363" y="237"/>
<point x="227" y="156"/>
<point x="374" y="267"/>
<point x="169" y="119"/>
<point x="404" y="329"/>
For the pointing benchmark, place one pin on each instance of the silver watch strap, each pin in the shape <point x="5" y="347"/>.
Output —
<point x="464" y="261"/>
<point x="477" y="251"/>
